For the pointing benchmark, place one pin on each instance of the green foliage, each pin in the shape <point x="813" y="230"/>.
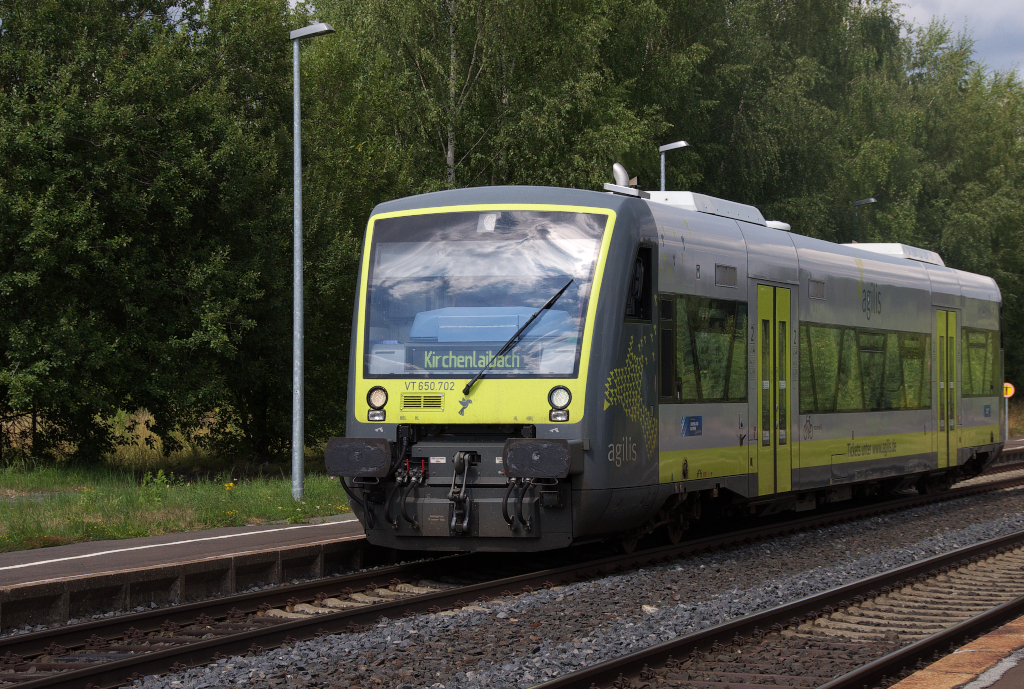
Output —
<point x="51" y="507"/>
<point x="145" y="191"/>
<point x="140" y="199"/>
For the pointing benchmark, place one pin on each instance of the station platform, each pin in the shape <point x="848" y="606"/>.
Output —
<point x="994" y="661"/>
<point x="54" y="585"/>
<point x="1014" y="445"/>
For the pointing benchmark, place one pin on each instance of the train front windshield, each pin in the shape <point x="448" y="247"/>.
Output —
<point x="447" y="290"/>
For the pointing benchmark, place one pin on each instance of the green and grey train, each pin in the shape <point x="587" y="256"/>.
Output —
<point x="533" y="367"/>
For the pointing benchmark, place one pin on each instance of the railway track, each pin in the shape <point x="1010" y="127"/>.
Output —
<point x="868" y="634"/>
<point x="111" y="651"/>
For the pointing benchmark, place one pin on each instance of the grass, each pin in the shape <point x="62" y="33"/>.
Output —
<point x="137" y="490"/>
<point x="1016" y="417"/>
<point x="58" y="505"/>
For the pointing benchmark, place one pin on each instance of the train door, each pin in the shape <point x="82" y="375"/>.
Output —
<point x="948" y="340"/>
<point x="774" y="369"/>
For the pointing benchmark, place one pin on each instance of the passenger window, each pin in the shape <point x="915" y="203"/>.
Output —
<point x="686" y="372"/>
<point x="872" y="365"/>
<point x="711" y="362"/>
<point x="917" y="375"/>
<point x="738" y="365"/>
<point x="669" y="390"/>
<point x="893" y="396"/>
<point x="824" y="343"/>
<point x="850" y="396"/>
<point x="638" y="300"/>
<point x="850" y="369"/>
<point x="981" y="362"/>
<point x="806" y="375"/>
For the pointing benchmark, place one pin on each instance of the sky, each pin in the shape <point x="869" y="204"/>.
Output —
<point x="997" y="27"/>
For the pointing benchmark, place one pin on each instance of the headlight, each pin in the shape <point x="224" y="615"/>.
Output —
<point x="559" y="397"/>
<point x="377" y="397"/>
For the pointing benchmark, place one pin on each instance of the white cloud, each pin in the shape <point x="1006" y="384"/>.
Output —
<point x="995" y="26"/>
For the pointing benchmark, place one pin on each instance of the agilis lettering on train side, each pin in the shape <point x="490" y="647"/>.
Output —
<point x="871" y="300"/>
<point x="622" y="452"/>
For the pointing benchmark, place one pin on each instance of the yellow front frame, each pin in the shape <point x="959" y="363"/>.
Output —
<point x="492" y="400"/>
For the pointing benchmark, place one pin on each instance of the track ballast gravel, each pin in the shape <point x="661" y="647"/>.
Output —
<point x="522" y="640"/>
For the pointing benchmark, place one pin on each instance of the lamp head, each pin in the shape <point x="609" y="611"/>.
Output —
<point x="673" y="146"/>
<point x="318" y="29"/>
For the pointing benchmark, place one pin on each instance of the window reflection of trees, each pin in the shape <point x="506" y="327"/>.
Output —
<point x="980" y="363"/>
<point x="860" y="369"/>
<point x="711" y="364"/>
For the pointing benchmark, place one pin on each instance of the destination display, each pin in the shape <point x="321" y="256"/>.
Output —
<point x="467" y="359"/>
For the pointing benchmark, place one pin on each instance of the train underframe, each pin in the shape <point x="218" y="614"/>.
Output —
<point x="448" y="494"/>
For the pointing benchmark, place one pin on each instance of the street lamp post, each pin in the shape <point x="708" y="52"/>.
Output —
<point x="662" y="150"/>
<point x="298" y="392"/>
<point x="863" y="202"/>
<point x="856" y="209"/>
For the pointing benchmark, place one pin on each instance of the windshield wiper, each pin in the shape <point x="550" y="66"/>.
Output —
<point x="513" y="341"/>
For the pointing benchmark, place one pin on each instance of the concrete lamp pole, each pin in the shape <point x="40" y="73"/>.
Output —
<point x="298" y="384"/>
<point x="662" y="150"/>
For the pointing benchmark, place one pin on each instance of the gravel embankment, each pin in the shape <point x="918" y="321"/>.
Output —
<point x="519" y="641"/>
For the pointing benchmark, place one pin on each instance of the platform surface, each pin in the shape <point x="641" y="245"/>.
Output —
<point x="106" y="557"/>
<point x="1014" y="444"/>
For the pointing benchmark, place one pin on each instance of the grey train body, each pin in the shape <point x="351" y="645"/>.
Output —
<point x="645" y="450"/>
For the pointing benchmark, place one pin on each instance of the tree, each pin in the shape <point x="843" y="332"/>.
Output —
<point x="137" y="201"/>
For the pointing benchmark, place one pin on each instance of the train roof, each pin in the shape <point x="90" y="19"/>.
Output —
<point x="901" y="251"/>
<point x="507" y="194"/>
<point x="702" y="203"/>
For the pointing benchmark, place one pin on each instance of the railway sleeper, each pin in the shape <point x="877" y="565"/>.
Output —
<point x="943" y="619"/>
<point x="339" y="604"/>
<point x="996" y="593"/>
<point x="356" y="600"/>
<point x="963" y="598"/>
<point x="899" y="626"/>
<point x="416" y="590"/>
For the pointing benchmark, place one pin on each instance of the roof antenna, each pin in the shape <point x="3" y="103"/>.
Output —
<point x="620" y="174"/>
<point x="623" y="184"/>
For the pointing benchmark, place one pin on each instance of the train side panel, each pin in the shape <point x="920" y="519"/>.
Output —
<point x="858" y="295"/>
<point x="702" y="445"/>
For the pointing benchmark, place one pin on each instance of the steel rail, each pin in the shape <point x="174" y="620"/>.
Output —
<point x="114" y="673"/>
<point x="150" y="620"/>
<point x="604" y="674"/>
<point x="891" y="665"/>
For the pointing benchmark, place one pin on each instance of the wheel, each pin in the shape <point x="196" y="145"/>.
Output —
<point x="674" y="532"/>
